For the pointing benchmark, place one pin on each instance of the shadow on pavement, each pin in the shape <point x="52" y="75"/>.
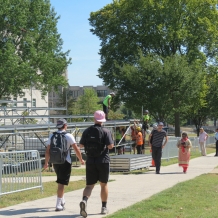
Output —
<point x="34" y="212"/>
<point x="23" y="211"/>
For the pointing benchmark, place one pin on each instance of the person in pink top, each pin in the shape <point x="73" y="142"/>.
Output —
<point x="202" y="139"/>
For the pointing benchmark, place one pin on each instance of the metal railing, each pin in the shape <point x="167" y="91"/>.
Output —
<point x="171" y="150"/>
<point x="20" y="171"/>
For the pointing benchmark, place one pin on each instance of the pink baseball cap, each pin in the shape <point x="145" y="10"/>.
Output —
<point x="99" y="116"/>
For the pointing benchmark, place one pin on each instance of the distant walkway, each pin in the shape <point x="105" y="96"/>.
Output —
<point x="125" y="191"/>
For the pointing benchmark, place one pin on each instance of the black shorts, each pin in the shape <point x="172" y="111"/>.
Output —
<point x="133" y="144"/>
<point x="97" y="172"/>
<point x="105" y="109"/>
<point x="63" y="172"/>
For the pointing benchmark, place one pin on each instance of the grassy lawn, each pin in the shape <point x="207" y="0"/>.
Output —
<point x="50" y="189"/>
<point x="177" y="202"/>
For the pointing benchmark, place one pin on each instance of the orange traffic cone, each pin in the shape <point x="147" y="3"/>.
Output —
<point x="152" y="161"/>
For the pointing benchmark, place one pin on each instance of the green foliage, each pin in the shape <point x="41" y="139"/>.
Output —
<point x="88" y="102"/>
<point x="115" y="115"/>
<point x="162" y="27"/>
<point x="30" y="47"/>
<point x="156" y="53"/>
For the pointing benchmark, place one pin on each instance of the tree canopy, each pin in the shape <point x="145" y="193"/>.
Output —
<point x="156" y="53"/>
<point x="30" y="47"/>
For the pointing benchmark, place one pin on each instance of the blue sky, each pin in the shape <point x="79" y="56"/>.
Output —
<point x="74" y="28"/>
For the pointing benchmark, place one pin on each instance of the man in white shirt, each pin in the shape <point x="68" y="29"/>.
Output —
<point x="63" y="171"/>
<point x="216" y="140"/>
<point x="202" y="141"/>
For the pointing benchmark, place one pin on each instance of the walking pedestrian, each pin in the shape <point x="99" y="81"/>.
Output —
<point x="202" y="141"/>
<point x="97" y="141"/>
<point x="184" y="145"/>
<point x="106" y="104"/>
<point x="156" y="144"/>
<point x="62" y="170"/>
<point x="216" y="140"/>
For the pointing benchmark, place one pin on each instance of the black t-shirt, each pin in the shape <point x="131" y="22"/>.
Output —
<point x="107" y="139"/>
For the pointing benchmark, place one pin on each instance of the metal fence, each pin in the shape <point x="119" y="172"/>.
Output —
<point x="171" y="150"/>
<point x="20" y="171"/>
<point x="38" y="139"/>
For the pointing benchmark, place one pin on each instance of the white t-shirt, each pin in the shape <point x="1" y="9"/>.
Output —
<point x="216" y="135"/>
<point x="70" y="141"/>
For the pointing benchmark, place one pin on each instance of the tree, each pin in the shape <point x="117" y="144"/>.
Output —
<point x="88" y="102"/>
<point x="30" y="47"/>
<point x="164" y="29"/>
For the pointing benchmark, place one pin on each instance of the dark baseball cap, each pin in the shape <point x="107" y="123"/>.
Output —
<point x="60" y="123"/>
<point x="160" y="124"/>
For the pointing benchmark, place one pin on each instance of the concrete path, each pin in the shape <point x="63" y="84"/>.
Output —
<point x="123" y="192"/>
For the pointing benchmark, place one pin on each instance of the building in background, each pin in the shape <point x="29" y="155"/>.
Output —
<point x="54" y="98"/>
<point x="32" y="103"/>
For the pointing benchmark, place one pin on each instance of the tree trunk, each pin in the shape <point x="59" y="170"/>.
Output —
<point x="177" y="124"/>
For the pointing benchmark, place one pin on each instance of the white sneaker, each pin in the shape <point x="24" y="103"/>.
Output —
<point x="104" y="210"/>
<point x="59" y="208"/>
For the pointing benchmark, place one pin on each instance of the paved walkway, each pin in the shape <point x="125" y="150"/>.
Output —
<point x="123" y="192"/>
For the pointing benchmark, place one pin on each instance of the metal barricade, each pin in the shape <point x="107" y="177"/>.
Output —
<point x="20" y="171"/>
<point x="171" y="150"/>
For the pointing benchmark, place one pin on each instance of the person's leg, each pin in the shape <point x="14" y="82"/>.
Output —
<point x="158" y="159"/>
<point x="88" y="190"/>
<point x="105" y="109"/>
<point x="104" y="171"/>
<point x="205" y="150"/>
<point x="63" y="172"/>
<point x="60" y="191"/>
<point x="104" y="192"/>
<point x="138" y="149"/>
<point x="153" y="153"/>
<point x="217" y="148"/>
<point x="185" y="169"/>
<point x="155" y="156"/>
<point x="143" y="149"/>
<point x="202" y="148"/>
<point x="91" y="180"/>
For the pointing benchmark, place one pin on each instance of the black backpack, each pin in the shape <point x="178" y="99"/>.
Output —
<point x="94" y="143"/>
<point x="58" y="148"/>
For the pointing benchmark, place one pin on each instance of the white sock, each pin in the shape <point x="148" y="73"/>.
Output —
<point x="62" y="200"/>
<point x="58" y="205"/>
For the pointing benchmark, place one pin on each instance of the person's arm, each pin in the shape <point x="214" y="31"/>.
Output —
<point x="149" y="140"/>
<point x="47" y="156"/>
<point x="108" y="139"/>
<point x="189" y="144"/>
<point x="110" y="146"/>
<point x="178" y="143"/>
<point x="165" y="142"/>
<point x="78" y="153"/>
<point x="109" y="101"/>
<point x="206" y="136"/>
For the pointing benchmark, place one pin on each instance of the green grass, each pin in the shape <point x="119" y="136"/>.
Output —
<point x="50" y="189"/>
<point x="196" y="198"/>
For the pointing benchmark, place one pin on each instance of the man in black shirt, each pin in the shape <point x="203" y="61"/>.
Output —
<point x="156" y="143"/>
<point x="97" y="168"/>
